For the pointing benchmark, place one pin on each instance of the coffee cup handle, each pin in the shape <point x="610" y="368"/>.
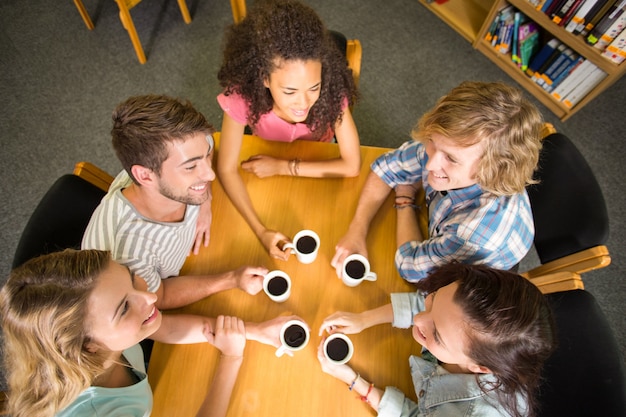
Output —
<point x="282" y="350"/>
<point x="287" y="245"/>
<point x="371" y="276"/>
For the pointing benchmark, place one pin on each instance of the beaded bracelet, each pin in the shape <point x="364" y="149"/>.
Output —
<point x="401" y="206"/>
<point x="356" y="378"/>
<point x="364" y="397"/>
<point x="294" y="166"/>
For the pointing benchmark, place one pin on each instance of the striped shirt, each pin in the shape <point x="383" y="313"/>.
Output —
<point x="151" y="249"/>
<point x="467" y="225"/>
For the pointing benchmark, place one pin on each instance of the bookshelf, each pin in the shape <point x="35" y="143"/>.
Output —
<point x="458" y="15"/>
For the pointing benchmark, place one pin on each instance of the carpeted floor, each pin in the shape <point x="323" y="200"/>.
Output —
<point x="59" y="83"/>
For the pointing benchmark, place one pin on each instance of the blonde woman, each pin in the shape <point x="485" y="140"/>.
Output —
<point x="72" y="324"/>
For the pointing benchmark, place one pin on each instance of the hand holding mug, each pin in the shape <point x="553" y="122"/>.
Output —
<point x="277" y="285"/>
<point x="306" y="244"/>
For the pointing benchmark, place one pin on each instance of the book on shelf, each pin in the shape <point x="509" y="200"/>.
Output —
<point x="612" y="19"/>
<point x="565" y="11"/>
<point x="611" y="33"/>
<point x="565" y="73"/>
<point x="616" y="50"/>
<point x="554" y="57"/>
<point x="540" y="58"/>
<point x="518" y="19"/>
<point x="505" y="34"/>
<point x="564" y="61"/>
<point x="528" y="43"/>
<point x="543" y="5"/>
<point x="580" y="15"/>
<point x="584" y="87"/>
<point x="596" y="13"/>
<point x="493" y="34"/>
<point x="572" y="80"/>
<point x="554" y="7"/>
<point x="569" y="14"/>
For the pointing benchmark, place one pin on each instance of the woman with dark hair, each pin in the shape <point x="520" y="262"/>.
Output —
<point x="485" y="334"/>
<point x="283" y="76"/>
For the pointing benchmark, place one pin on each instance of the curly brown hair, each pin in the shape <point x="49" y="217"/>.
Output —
<point x="275" y="31"/>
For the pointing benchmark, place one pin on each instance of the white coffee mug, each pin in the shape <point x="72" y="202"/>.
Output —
<point x="356" y="269"/>
<point x="277" y="285"/>
<point x="294" y="336"/>
<point x="306" y="244"/>
<point x="338" y="348"/>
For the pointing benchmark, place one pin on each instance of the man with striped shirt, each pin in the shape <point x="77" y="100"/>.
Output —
<point x="158" y="209"/>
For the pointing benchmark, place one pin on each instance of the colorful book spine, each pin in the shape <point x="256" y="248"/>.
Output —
<point x="613" y="16"/>
<point x="572" y="80"/>
<point x="560" y="14"/>
<point x="584" y="87"/>
<point x="546" y="65"/>
<point x="543" y="74"/>
<point x="611" y="33"/>
<point x="580" y="15"/>
<point x="540" y="58"/>
<point x="616" y="50"/>
<point x="549" y="78"/>
<point x="528" y="43"/>
<point x="565" y="73"/>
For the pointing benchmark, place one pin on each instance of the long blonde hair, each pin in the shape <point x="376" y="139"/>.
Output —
<point x="498" y="115"/>
<point x="43" y="307"/>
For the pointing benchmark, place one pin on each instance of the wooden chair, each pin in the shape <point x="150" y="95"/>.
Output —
<point x="127" y="21"/>
<point x="569" y="212"/>
<point x="353" y="49"/>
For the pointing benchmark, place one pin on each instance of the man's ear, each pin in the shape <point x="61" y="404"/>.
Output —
<point x="478" y="369"/>
<point x="144" y="176"/>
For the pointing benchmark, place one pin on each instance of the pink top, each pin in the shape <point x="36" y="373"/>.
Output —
<point x="270" y="126"/>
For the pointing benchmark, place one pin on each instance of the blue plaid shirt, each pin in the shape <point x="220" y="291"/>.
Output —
<point x="468" y="225"/>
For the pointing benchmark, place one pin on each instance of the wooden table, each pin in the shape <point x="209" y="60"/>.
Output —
<point x="288" y="386"/>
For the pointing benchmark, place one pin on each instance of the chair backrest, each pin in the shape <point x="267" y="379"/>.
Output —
<point x="585" y="376"/>
<point x="60" y="218"/>
<point x="568" y="207"/>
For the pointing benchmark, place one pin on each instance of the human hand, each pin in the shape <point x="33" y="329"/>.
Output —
<point x="268" y="332"/>
<point x="250" y="278"/>
<point x="263" y="166"/>
<point x="229" y="335"/>
<point x="203" y="226"/>
<point x="342" y="372"/>
<point x="343" y="322"/>
<point x="350" y="243"/>
<point x="273" y="242"/>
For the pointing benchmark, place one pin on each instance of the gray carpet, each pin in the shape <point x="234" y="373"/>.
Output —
<point x="59" y="83"/>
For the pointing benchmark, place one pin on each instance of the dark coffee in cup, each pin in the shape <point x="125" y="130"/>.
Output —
<point x="277" y="286"/>
<point x="295" y="335"/>
<point x="337" y="349"/>
<point x="355" y="269"/>
<point x="306" y="244"/>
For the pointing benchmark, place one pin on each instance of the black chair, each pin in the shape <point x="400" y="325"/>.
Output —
<point x="585" y="376"/>
<point x="60" y="218"/>
<point x="569" y="211"/>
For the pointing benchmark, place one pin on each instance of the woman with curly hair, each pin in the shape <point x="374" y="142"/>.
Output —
<point x="72" y="322"/>
<point x="485" y="334"/>
<point x="285" y="78"/>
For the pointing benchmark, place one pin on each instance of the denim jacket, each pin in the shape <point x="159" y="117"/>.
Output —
<point x="439" y="393"/>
